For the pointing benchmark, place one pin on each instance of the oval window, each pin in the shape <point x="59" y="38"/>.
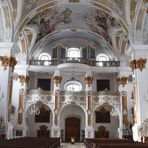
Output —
<point x="73" y="86"/>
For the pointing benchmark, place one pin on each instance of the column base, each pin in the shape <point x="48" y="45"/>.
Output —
<point x="55" y="132"/>
<point x="136" y="133"/>
<point x="89" y="132"/>
<point x="120" y="131"/>
<point x="9" y="131"/>
<point x="20" y="131"/>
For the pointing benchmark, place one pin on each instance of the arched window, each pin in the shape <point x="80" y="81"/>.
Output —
<point x="101" y="58"/>
<point x="45" y="57"/>
<point x="73" y="86"/>
<point x="73" y="52"/>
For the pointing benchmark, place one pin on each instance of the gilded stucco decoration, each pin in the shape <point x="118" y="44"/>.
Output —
<point x="88" y="79"/>
<point x="57" y="79"/>
<point x="7" y="61"/>
<point x="122" y="81"/>
<point x="23" y="79"/>
<point x="138" y="64"/>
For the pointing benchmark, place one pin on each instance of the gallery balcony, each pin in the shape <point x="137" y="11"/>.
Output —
<point x="39" y="95"/>
<point x="90" y="62"/>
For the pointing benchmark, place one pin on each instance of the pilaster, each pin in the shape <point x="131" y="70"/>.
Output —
<point x="55" y="130"/>
<point x="125" y="89"/>
<point x="139" y="66"/>
<point x="20" y="79"/>
<point x="89" y="130"/>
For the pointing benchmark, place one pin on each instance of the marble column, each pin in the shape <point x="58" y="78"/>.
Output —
<point x="55" y="131"/>
<point x="89" y="130"/>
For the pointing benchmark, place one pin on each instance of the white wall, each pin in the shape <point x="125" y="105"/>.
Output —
<point x="33" y="127"/>
<point x="112" y="127"/>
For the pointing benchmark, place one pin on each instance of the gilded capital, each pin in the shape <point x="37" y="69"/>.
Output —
<point x="7" y="61"/>
<point x="23" y="79"/>
<point x="138" y="64"/>
<point x="122" y="81"/>
<point x="88" y="79"/>
<point x="57" y="79"/>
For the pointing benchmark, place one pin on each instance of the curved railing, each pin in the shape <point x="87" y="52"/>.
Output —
<point x="89" y="62"/>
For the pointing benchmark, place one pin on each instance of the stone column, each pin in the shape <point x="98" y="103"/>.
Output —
<point x="139" y="66"/>
<point x="7" y="63"/>
<point x="20" y="79"/>
<point x="89" y="130"/>
<point x="55" y="131"/>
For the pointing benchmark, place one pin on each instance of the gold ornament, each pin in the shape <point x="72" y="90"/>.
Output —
<point x="122" y="80"/>
<point x="138" y="64"/>
<point x="23" y="79"/>
<point x="88" y="79"/>
<point x="7" y="61"/>
<point x="57" y="79"/>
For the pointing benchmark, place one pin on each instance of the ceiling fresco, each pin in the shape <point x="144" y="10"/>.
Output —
<point x="112" y="24"/>
<point x="77" y="16"/>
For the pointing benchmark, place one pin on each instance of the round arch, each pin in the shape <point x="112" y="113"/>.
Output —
<point x="111" y="124"/>
<point x="72" y="111"/>
<point x="34" y="125"/>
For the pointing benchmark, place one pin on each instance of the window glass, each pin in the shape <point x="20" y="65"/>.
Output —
<point x="73" y="52"/>
<point x="101" y="58"/>
<point x="45" y="57"/>
<point x="73" y="86"/>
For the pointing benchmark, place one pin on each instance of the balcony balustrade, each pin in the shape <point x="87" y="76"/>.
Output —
<point x="90" y="62"/>
<point x="73" y="97"/>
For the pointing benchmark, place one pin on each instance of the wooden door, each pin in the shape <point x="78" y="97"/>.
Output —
<point x="72" y="129"/>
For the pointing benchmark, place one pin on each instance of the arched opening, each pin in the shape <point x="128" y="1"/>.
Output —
<point x="72" y="116"/>
<point x="72" y="129"/>
<point x="105" y="124"/>
<point x="39" y="123"/>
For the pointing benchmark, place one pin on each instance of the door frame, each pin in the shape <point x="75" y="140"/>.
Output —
<point x="78" y="119"/>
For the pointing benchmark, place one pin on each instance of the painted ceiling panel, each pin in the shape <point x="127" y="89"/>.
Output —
<point x="74" y="16"/>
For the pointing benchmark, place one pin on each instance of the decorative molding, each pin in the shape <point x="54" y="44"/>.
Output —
<point x="57" y="79"/>
<point x="7" y="61"/>
<point x="23" y="79"/>
<point x="138" y="64"/>
<point x="88" y="79"/>
<point x="122" y="80"/>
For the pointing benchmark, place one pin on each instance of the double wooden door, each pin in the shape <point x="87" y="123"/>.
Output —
<point x="72" y="129"/>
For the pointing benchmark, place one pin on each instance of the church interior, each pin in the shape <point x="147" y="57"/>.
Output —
<point x="74" y="70"/>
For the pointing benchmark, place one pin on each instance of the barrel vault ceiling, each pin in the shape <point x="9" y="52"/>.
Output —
<point x="114" y="25"/>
